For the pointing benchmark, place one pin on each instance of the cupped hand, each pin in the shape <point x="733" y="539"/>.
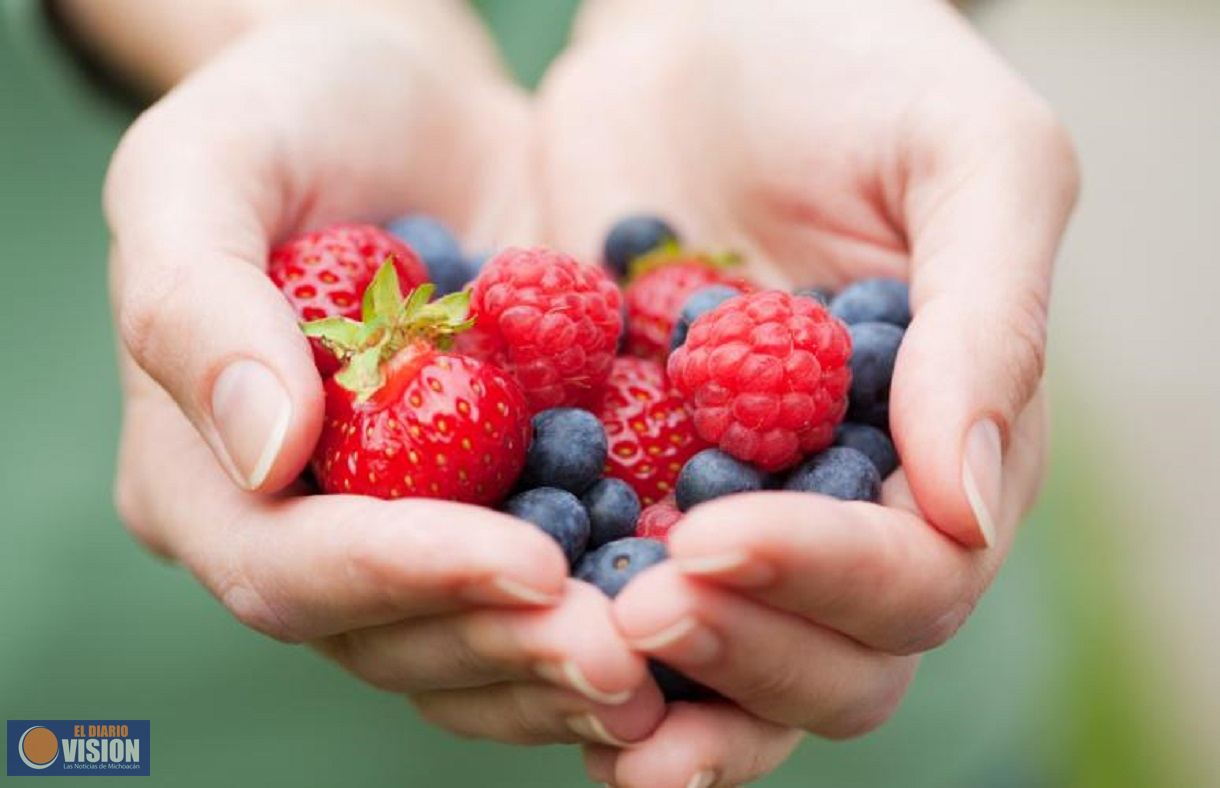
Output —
<point x="303" y="123"/>
<point x="828" y="141"/>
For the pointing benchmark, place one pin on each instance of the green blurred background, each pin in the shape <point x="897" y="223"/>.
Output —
<point x="1062" y="678"/>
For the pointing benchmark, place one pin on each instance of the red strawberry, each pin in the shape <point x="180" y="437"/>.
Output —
<point x="650" y="430"/>
<point x="660" y="284"/>
<point x="324" y="273"/>
<point x="656" y="521"/>
<point x="768" y="376"/>
<point x="551" y="322"/>
<point x="406" y="419"/>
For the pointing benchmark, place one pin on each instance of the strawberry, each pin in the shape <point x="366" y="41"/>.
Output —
<point x="323" y="273"/>
<point x="660" y="284"/>
<point x="405" y="418"/>
<point x="649" y="428"/>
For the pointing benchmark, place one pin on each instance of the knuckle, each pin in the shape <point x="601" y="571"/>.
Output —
<point x="867" y="714"/>
<point x="939" y="631"/>
<point x="143" y="309"/>
<point x="1043" y="139"/>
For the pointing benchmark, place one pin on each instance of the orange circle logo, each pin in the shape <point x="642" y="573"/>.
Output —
<point x="38" y="747"/>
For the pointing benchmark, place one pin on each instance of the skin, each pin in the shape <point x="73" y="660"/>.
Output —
<point x="827" y="140"/>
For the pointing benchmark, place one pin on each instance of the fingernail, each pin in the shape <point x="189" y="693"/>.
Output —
<point x="982" y="476"/>
<point x="251" y="411"/>
<point x="590" y="728"/>
<point x="568" y="674"/>
<point x="685" y="641"/>
<point x="503" y="590"/>
<point x="736" y="568"/>
<point x="702" y="780"/>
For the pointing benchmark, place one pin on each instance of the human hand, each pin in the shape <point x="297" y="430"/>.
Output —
<point x="828" y="141"/>
<point x="304" y="123"/>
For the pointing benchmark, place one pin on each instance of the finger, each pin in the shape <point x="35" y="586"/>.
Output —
<point x="306" y="567"/>
<point x="837" y="688"/>
<point x="879" y="574"/>
<point x="257" y="146"/>
<point x="698" y="745"/>
<point x="573" y="645"/>
<point x="985" y="210"/>
<point x="535" y="713"/>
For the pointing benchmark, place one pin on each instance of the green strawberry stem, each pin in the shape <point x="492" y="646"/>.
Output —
<point x="388" y="324"/>
<point x="671" y="252"/>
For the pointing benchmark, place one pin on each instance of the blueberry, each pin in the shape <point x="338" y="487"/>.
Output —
<point x="820" y="294"/>
<point x="611" y="566"/>
<point x="613" y="508"/>
<point x="711" y="474"/>
<point x="568" y="450"/>
<point x="839" y="472"/>
<point x="874" y="351"/>
<point x="447" y="267"/>
<point x="874" y="301"/>
<point x="632" y="237"/>
<point x="871" y="442"/>
<point x="558" y="513"/>
<point x="675" y="686"/>
<point x="700" y="301"/>
<point x="476" y="261"/>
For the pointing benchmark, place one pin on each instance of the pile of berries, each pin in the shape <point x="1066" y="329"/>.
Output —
<point x="530" y="382"/>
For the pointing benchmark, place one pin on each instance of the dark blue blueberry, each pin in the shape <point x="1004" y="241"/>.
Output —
<point x="874" y="301"/>
<point x="820" y="294"/>
<point x="712" y="474"/>
<point x="839" y="472"/>
<point x="447" y="267"/>
<point x="632" y="237"/>
<point x="700" y="301"/>
<point x="568" y="450"/>
<point x="874" y="349"/>
<point x="871" y="442"/>
<point x="613" y="508"/>
<point x="611" y="566"/>
<point x="558" y="513"/>
<point x="675" y="686"/>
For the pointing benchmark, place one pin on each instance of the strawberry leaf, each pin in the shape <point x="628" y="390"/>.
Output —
<point x="339" y="334"/>
<point x="362" y="374"/>
<point x="382" y="298"/>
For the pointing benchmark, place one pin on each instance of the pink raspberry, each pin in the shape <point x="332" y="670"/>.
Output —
<point x="656" y="521"/>
<point x="549" y="321"/>
<point x="768" y="376"/>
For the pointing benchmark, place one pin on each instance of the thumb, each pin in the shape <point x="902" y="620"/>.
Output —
<point x="196" y="311"/>
<point x="984" y="233"/>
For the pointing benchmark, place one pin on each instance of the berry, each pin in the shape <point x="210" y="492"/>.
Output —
<point x="613" y="509"/>
<point x="839" y="472"/>
<point x="874" y="351"/>
<point x="713" y="474"/>
<point x="874" y="301"/>
<point x="434" y="242"/>
<point x="558" y="513"/>
<point x="657" y="520"/>
<point x="405" y="419"/>
<point x="550" y="322"/>
<point x="871" y="442"/>
<point x="655" y="297"/>
<point x="632" y="237"/>
<point x="568" y="450"/>
<point x="611" y="566"/>
<point x="820" y="294"/>
<point x="700" y="301"/>
<point x="650" y="431"/>
<point x="768" y="376"/>
<point x="325" y="273"/>
<point x="675" y="687"/>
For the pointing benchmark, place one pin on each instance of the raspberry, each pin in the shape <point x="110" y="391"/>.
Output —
<point x="768" y="376"/>
<point x="549" y="321"/>
<point x="656" y="521"/>
<point x="649" y="427"/>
